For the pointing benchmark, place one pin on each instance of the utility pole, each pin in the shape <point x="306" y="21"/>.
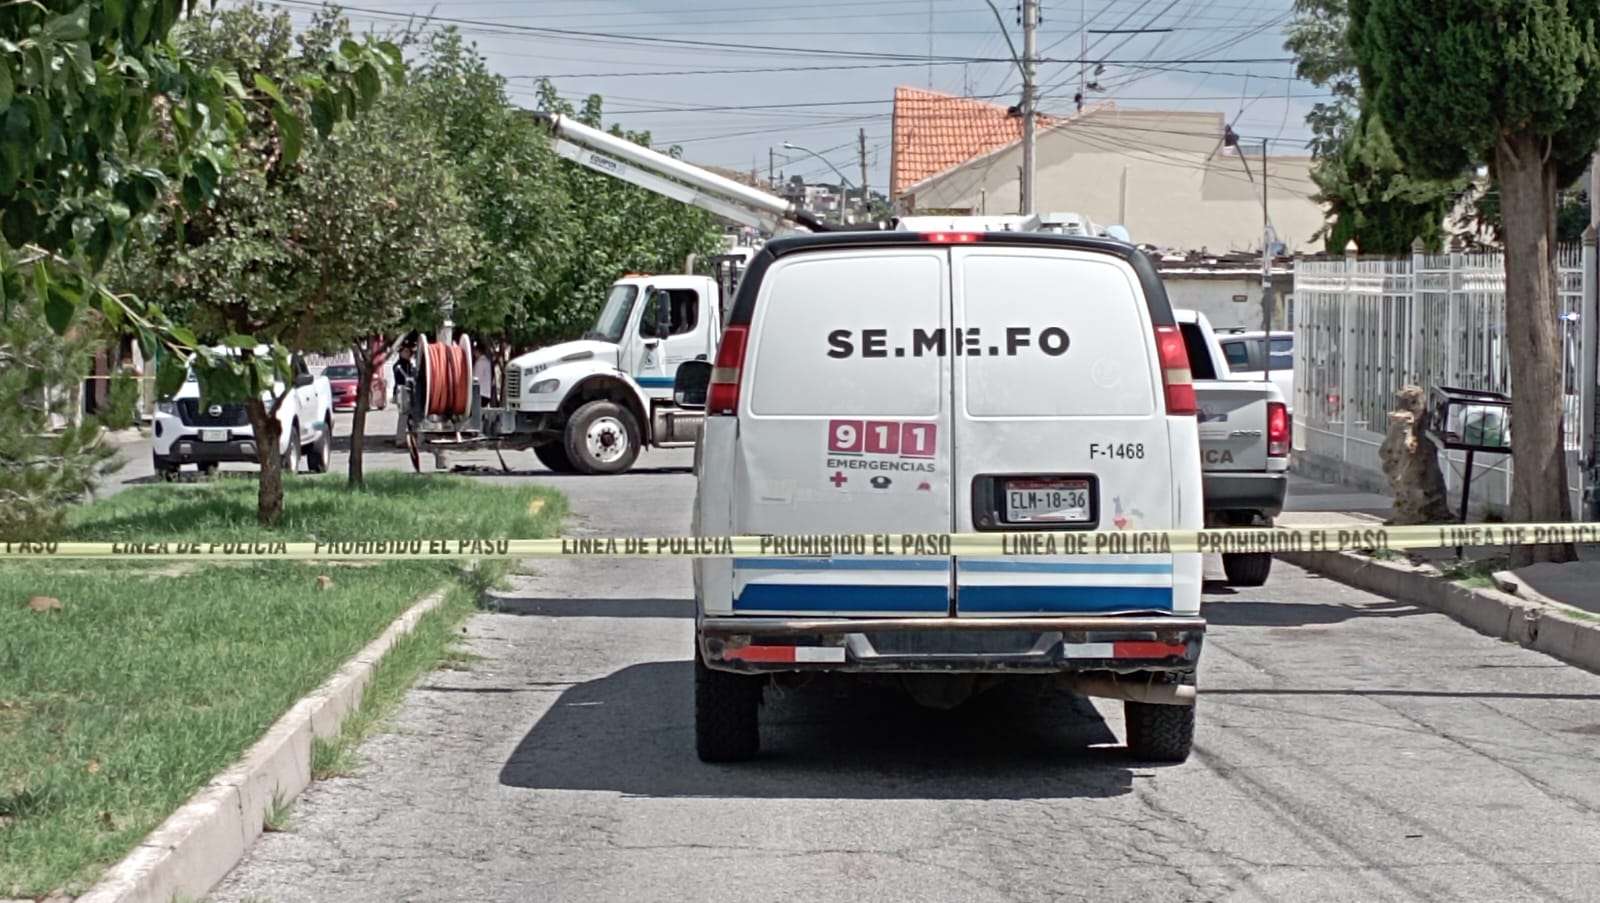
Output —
<point x="1083" y="53"/>
<point x="1589" y="370"/>
<point x="772" y="179"/>
<point x="866" y="202"/>
<point x="1266" y="271"/>
<point x="1030" y="50"/>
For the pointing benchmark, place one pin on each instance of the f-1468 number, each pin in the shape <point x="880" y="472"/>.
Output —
<point x="1131" y="451"/>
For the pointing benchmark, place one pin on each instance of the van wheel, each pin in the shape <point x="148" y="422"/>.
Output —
<point x="320" y="452"/>
<point x="553" y="455"/>
<point x="166" y="471"/>
<point x="1159" y="733"/>
<point x="602" y="437"/>
<point x="727" y="720"/>
<point x="1247" y="569"/>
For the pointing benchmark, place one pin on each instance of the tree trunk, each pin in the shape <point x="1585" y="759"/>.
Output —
<point x="269" y="492"/>
<point x="1528" y="200"/>
<point x="363" y="350"/>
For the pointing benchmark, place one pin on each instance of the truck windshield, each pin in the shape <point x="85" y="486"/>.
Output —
<point x="614" y="316"/>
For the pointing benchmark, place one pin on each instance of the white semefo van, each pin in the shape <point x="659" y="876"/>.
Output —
<point x="936" y="383"/>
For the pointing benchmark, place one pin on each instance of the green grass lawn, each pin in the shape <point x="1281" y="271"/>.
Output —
<point x="154" y="676"/>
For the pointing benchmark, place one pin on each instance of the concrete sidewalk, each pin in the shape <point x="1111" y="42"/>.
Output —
<point x="1324" y="504"/>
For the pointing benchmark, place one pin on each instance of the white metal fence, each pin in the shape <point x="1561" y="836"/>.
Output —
<point x="1364" y="327"/>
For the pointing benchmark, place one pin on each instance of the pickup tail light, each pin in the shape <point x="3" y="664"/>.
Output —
<point x="1175" y="375"/>
<point x="723" y="397"/>
<point x="1277" y="429"/>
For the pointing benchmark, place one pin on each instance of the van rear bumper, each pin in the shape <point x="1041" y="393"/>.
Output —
<point x="1119" y="644"/>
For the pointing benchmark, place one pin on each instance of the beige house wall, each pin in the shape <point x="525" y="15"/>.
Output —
<point x="1164" y="175"/>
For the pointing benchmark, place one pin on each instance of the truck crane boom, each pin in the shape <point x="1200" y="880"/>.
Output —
<point x="670" y="177"/>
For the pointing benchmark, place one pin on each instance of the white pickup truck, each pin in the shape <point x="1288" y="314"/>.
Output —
<point x="205" y="435"/>
<point x="1244" y="446"/>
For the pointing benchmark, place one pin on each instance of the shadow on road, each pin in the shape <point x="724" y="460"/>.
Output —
<point x="1297" y="614"/>
<point x="1415" y="694"/>
<point x="484" y="470"/>
<point x="593" y="608"/>
<point x="632" y="732"/>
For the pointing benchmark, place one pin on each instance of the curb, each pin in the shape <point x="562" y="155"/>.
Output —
<point x="196" y="847"/>
<point x="1534" y="624"/>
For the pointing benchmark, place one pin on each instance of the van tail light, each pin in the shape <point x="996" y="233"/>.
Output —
<point x="952" y="238"/>
<point x="724" y="395"/>
<point x="1175" y="375"/>
<point x="1277" y="429"/>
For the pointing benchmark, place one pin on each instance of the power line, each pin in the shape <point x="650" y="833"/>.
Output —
<point x="687" y="42"/>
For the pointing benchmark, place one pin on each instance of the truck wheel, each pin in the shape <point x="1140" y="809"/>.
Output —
<point x="553" y="455"/>
<point x="602" y="437"/>
<point x="166" y="471"/>
<point x="727" y="721"/>
<point x="321" y="451"/>
<point x="1159" y="733"/>
<point x="291" y="455"/>
<point x="1247" y="568"/>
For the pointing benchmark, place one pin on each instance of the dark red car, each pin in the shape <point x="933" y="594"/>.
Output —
<point x="342" y="380"/>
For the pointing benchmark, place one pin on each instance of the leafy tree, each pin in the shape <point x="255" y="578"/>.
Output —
<point x="1316" y="36"/>
<point x="79" y="160"/>
<point x="1373" y="200"/>
<point x="622" y="228"/>
<point x="1368" y="193"/>
<point x="238" y="269"/>
<point x="1517" y="84"/>
<point x="42" y="472"/>
<point x="383" y="224"/>
<point x="527" y="225"/>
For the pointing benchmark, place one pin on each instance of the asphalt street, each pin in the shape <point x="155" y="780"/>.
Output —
<point x="1349" y="748"/>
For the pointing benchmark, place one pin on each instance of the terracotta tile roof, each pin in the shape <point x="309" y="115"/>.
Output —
<point x="934" y="131"/>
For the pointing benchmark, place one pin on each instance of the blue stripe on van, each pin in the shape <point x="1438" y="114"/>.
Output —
<point x="842" y="597"/>
<point x="844" y="564"/>
<point x="1060" y="567"/>
<point x="654" y="382"/>
<point x="1056" y="599"/>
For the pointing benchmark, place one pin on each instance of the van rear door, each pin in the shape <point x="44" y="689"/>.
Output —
<point x="844" y="425"/>
<point x="1059" y="426"/>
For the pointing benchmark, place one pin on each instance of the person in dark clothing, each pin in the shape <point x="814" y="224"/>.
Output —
<point x="405" y="370"/>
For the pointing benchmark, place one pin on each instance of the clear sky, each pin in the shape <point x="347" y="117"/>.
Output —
<point x="814" y="73"/>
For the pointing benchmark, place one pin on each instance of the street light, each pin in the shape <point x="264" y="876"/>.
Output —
<point x="843" y="179"/>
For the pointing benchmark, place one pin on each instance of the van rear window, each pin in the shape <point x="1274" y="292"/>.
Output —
<point x="838" y="334"/>
<point x="1059" y="336"/>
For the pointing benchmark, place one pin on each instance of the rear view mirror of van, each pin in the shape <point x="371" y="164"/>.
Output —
<point x="690" y="385"/>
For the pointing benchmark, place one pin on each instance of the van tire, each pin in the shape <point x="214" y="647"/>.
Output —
<point x="727" y="714"/>
<point x="604" y="414"/>
<point x="1247" y="568"/>
<point x="1159" y="733"/>
<point x="553" y="455"/>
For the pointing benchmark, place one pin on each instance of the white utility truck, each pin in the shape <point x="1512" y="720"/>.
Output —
<point x="591" y="405"/>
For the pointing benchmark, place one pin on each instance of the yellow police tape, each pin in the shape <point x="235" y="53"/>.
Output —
<point x="823" y="545"/>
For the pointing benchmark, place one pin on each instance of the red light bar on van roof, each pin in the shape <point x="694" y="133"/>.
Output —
<point x="952" y="238"/>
